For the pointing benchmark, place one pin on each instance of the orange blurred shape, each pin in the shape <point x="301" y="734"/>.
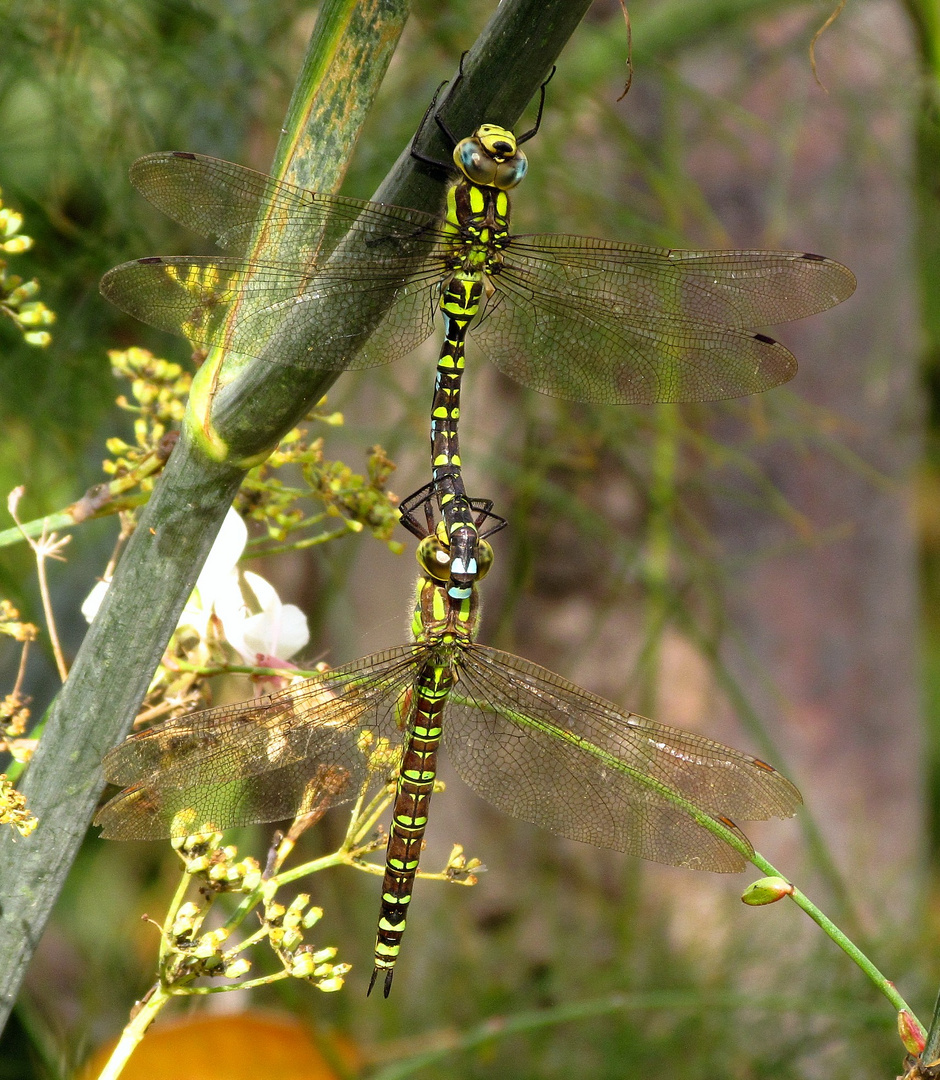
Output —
<point x="240" y="1046"/>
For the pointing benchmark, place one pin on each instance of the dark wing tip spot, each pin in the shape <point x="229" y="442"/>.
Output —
<point x="766" y="340"/>
<point x="183" y="154"/>
<point x="149" y="260"/>
<point x="813" y="258"/>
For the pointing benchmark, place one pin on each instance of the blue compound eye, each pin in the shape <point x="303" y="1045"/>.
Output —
<point x="474" y="162"/>
<point x="511" y="172"/>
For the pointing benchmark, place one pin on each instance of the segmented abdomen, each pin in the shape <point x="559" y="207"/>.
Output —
<point x="459" y="304"/>
<point x="409" y="819"/>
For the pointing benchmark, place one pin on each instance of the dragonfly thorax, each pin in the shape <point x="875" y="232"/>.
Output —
<point x="442" y="612"/>
<point x="491" y="157"/>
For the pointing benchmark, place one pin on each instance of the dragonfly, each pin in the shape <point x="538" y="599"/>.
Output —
<point x="523" y="738"/>
<point x="337" y="283"/>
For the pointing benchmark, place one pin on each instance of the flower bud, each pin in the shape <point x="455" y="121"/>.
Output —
<point x="767" y="890"/>
<point x="237" y="968"/>
<point x="912" y="1034"/>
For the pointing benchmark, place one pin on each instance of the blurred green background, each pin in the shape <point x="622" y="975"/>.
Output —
<point x="764" y="571"/>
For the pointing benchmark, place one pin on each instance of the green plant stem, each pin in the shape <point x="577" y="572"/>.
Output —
<point x="76" y="514"/>
<point x="931" y="1051"/>
<point x="885" y="985"/>
<point x="135" y="1031"/>
<point x="178" y="897"/>
<point x="161" y="562"/>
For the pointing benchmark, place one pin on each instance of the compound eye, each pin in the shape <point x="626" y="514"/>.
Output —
<point x="434" y="558"/>
<point x="484" y="559"/>
<point x="474" y="162"/>
<point x="511" y="172"/>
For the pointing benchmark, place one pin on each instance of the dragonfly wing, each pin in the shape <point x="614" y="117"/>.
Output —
<point x="592" y="320"/>
<point x="228" y="203"/>
<point x="742" y="289"/>
<point x="277" y="311"/>
<point x="325" y="272"/>
<point x="310" y="745"/>
<point x="569" y="347"/>
<point x="547" y="751"/>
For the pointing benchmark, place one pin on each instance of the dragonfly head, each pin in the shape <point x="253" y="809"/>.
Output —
<point x="434" y="558"/>
<point x="491" y="157"/>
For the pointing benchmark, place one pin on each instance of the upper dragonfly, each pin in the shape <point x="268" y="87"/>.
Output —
<point x="336" y="283"/>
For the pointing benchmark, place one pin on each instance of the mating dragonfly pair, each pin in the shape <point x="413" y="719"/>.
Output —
<point x="574" y="317"/>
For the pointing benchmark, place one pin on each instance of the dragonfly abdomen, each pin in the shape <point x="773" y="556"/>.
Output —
<point x="410" y="816"/>
<point x="460" y="302"/>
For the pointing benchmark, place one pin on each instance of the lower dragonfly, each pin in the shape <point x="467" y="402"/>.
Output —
<point x="535" y="746"/>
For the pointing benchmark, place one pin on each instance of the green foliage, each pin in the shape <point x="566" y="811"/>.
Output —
<point x="18" y="297"/>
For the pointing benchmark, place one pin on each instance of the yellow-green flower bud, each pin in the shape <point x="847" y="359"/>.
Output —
<point x="31" y="313"/>
<point x="291" y="939"/>
<point x="302" y="965"/>
<point x="10" y="222"/>
<point x="237" y="968"/>
<point x="187" y="921"/>
<point x="311" y="917"/>
<point x="331" y="985"/>
<point x="251" y="879"/>
<point x="17" y="245"/>
<point x="767" y="890"/>
<point x="22" y="293"/>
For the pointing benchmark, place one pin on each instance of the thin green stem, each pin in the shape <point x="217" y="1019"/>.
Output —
<point x="251" y="984"/>
<point x="885" y="985"/>
<point x="257" y="550"/>
<point x="931" y="1051"/>
<point x="181" y="889"/>
<point x="135" y="1031"/>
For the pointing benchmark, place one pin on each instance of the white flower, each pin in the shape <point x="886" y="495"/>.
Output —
<point x="266" y="628"/>
<point x="254" y="620"/>
<point x="92" y="601"/>
<point x="219" y="575"/>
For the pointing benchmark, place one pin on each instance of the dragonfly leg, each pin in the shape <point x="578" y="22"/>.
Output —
<point x="538" y="119"/>
<point x="406" y="511"/>
<point x="432" y="109"/>
<point x="425" y="497"/>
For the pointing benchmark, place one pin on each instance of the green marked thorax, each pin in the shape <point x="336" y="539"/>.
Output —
<point x="441" y="619"/>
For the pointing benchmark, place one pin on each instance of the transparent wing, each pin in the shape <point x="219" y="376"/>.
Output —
<point x="575" y="317"/>
<point x="278" y="312"/>
<point x="741" y="289"/>
<point x="547" y="751"/>
<point x="325" y="271"/>
<point x="592" y="320"/>
<point x="227" y="203"/>
<point x="310" y="745"/>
